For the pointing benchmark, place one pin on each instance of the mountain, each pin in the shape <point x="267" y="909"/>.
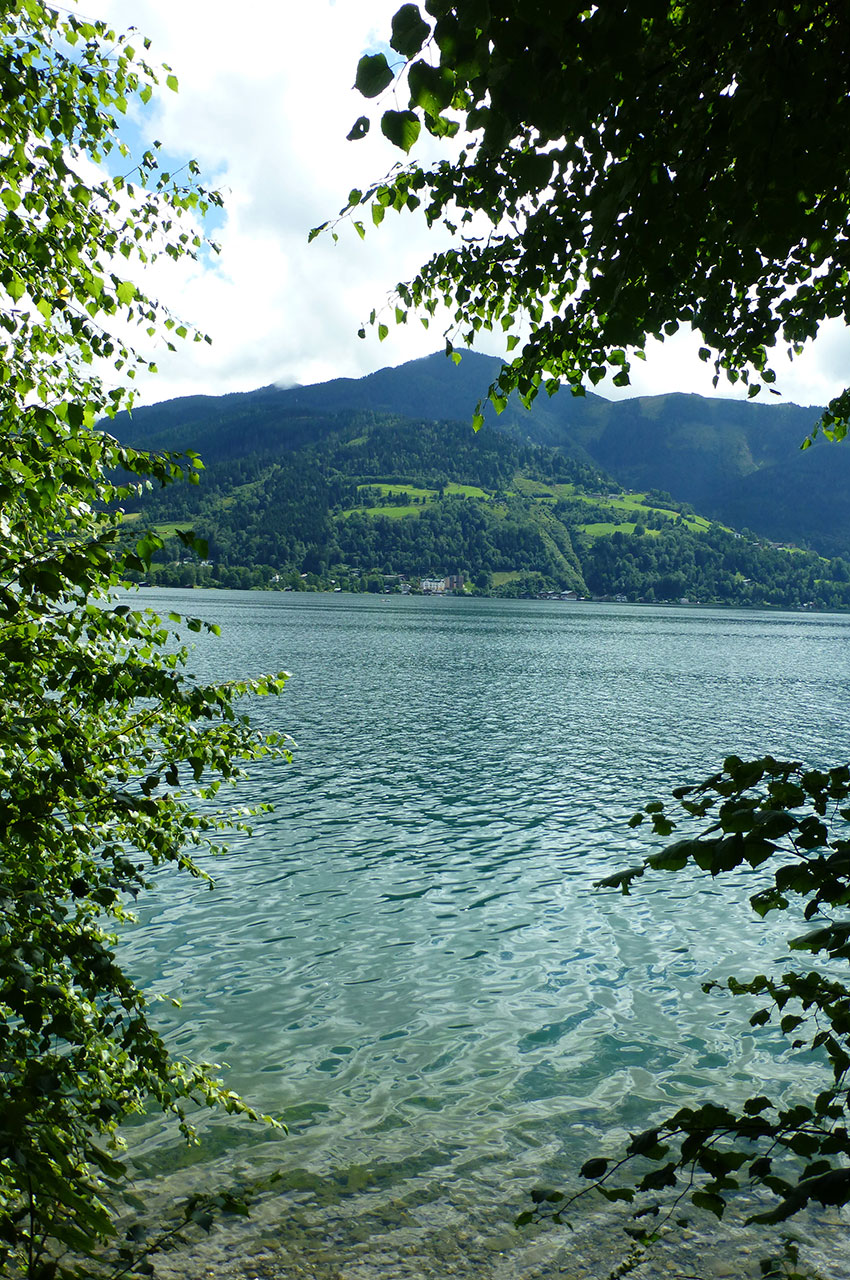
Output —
<point x="374" y="490"/>
<point x="738" y="462"/>
<point x="300" y="490"/>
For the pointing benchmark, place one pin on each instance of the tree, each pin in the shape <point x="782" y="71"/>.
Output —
<point x="624" y="170"/>
<point x="107" y="746"/>
<point x="788" y="826"/>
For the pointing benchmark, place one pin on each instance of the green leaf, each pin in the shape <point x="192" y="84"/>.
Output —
<point x="544" y="1195"/>
<point x="431" y="88"/>
<point x="707" y="1200"/>
<point x="359" y="129"/>
<point x="620" y="880"/>
<point x="373" y="75"/>
<point x="617" y="1193"/>
<point x="190" y="540"/>
<point x="672" y="859"/>
<point x="402" y="128"/>
<point x="441" y="126"/>
<point x="409" y="31"/>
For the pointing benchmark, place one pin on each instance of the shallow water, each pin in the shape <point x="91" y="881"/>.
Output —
<point x="407" y="961"/>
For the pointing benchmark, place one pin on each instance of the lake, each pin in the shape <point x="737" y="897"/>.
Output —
<point x="408" y="963"/>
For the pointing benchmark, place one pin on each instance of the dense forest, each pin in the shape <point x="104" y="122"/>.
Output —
<point x="367" y="501"/>
<point x="738" y="462"/>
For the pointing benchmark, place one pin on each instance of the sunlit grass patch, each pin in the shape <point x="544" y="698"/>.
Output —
<point x="410" y="489"/>
<point x="529" y="488"/>
<point x="394" y="512"/>
<point x="603" y="530"/>
<point x="467" y="490"/>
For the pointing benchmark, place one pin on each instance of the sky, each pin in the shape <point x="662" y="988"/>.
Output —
<point x="265" y="103"/>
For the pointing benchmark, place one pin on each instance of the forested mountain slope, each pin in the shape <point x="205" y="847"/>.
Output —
<point x="379" y="492"/>
<point x="302" y="496"/>
<point x="736" y="461"/>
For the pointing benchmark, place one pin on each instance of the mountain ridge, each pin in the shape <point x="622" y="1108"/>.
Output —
<point x="737" y="461"/>
<point x="299" y="489"/>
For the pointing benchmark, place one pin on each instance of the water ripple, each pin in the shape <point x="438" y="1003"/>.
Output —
<point x="407" y="960"/>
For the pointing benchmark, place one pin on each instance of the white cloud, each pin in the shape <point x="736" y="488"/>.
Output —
<point x="265" y="103"/>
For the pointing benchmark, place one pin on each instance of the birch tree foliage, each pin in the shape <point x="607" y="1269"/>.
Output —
<point x="111" y="754"/>
<point x="783" y="831"/>
<point x="619" y="171"/>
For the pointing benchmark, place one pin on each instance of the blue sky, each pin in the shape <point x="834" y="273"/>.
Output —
<point x="265" y="102"/>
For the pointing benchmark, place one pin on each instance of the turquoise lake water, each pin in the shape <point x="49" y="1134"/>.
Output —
<point x="408" y="963"/>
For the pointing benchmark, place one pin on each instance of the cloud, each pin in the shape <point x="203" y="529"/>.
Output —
<point x="264" y="105"/>
<point x="265" y="102"/>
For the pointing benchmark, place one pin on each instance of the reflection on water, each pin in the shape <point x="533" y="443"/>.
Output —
<point x="408" y="962"/>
